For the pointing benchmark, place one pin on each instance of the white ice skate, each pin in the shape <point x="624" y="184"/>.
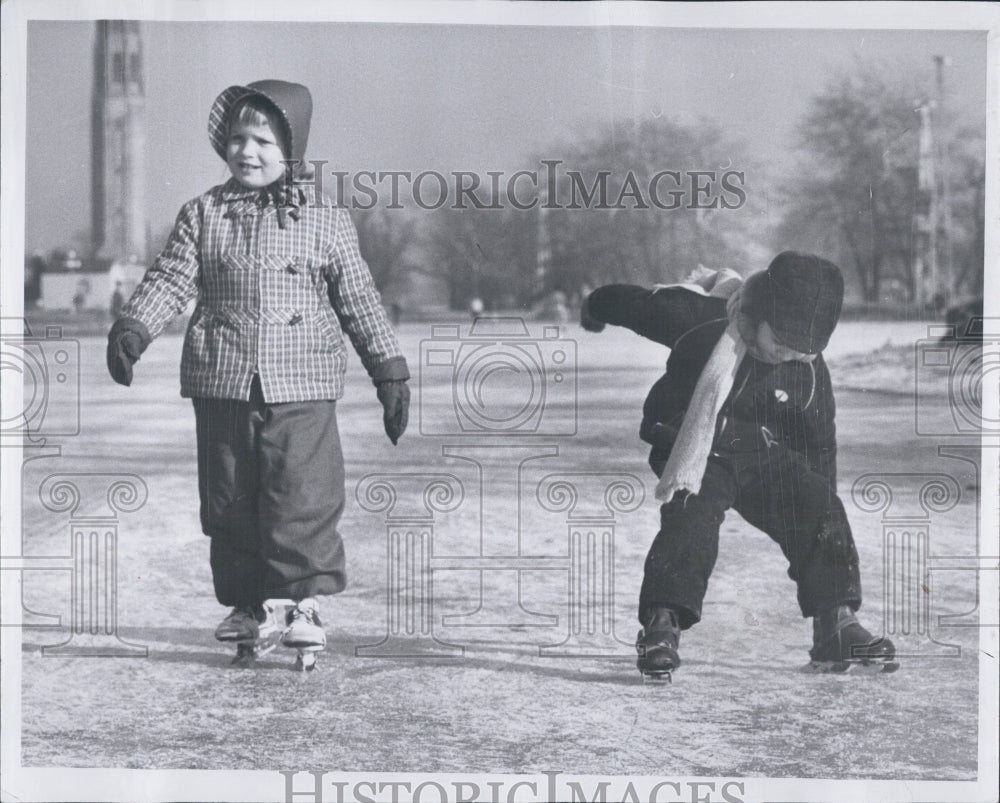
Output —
<point x="304" y="632"/>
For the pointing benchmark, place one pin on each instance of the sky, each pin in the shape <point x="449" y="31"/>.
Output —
<point x="452" y="97"/>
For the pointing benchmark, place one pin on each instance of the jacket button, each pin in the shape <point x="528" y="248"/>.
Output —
<point x="296" y="318"/>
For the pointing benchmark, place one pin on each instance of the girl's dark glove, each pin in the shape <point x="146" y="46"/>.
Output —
<point x="395" y="398"/>
<point x="587" y="321"/>
<point x="127" y="340"/>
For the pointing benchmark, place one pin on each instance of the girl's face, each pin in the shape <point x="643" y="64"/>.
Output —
<point x="253" y="154"/>
<point x="769" y="349"/>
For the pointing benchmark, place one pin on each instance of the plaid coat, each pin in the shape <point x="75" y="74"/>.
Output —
<point x="272" y="300"/>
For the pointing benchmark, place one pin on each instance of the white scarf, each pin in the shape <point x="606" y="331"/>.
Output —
<point x="689" y="455"/>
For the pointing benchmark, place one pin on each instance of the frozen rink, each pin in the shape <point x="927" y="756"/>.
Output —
<point x="477" y="694"/>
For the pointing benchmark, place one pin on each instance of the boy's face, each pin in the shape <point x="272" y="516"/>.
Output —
<point x="769" y="349"/>
<point x="253" y="154"/>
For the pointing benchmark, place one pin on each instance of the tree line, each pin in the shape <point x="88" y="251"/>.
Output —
<point x="648" y="203"/>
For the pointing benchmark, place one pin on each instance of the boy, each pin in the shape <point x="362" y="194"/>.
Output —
<point x="744" y="418"/>
<point x="278" y="278"/>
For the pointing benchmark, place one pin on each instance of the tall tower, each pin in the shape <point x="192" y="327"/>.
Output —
<point x="118" y="199"/>
<point x="925" y="269"/>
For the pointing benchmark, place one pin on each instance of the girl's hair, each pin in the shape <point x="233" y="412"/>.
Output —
<point x="256" y="110"/>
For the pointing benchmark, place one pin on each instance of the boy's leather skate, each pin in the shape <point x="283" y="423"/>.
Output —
<point x="657" y="645"/>
<point x="840" y="644"/>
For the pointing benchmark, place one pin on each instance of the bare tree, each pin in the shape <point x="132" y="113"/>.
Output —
<point x="385" y="238"/>
<point x="489" y="254"/>
<point x="855" y="192"/>
<point x="968" y="191"/>
<point x="632" y="211"/>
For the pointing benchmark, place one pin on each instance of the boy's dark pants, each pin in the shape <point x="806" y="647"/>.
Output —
<point x="774" y="490"/>
<point x="271" y="482"/>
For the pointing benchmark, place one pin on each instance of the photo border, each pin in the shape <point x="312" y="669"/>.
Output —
<point x="87" y="784"/>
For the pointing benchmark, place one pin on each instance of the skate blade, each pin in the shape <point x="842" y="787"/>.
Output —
<point x="247" y="652"/>
<point x="663" y="678"/>
<point x="824" y="668"/>
<point x="873" y="668"/>
<point x="262" y="648"/>
<point x="305" y="661"/>
<point x="850" y="668"/>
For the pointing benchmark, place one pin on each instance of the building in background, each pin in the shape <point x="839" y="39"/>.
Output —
<point x="118" y="252"/>
<point x="118" y="140"/>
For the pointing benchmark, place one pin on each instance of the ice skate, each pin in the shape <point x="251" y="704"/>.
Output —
<point x="254" y="630"/>
<point x="657" y="646"/>
<point x="304" y="632"/>
<point x="841" y="644"/>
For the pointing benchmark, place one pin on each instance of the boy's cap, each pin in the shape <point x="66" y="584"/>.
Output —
<point x="800" y="297"/>
<point x="292" y="101"/>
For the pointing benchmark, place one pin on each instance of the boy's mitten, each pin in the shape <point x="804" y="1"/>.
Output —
<point x="395" y="398"/>
<point x="127" y="340"/>
<point x="587" y="321"/>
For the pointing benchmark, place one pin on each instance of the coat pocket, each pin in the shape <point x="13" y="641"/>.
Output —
<point x="195" y="359"/>
<point x="290" y="282"/>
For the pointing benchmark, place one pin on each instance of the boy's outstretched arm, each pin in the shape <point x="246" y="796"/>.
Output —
<point x="661" y="314"/>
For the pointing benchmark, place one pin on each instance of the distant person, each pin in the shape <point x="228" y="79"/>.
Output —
<point x="117" y="301"/>
<point x="476" y="307"/>
<point x="743" y="418"/>
<point x="554" y="307"/>
<point x="80" y="296"/>
<point x="277" y="275"/>
<point x="34" y="268"/>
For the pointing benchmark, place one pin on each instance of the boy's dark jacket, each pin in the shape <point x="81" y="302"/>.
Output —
<point x="786" y="405"/>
